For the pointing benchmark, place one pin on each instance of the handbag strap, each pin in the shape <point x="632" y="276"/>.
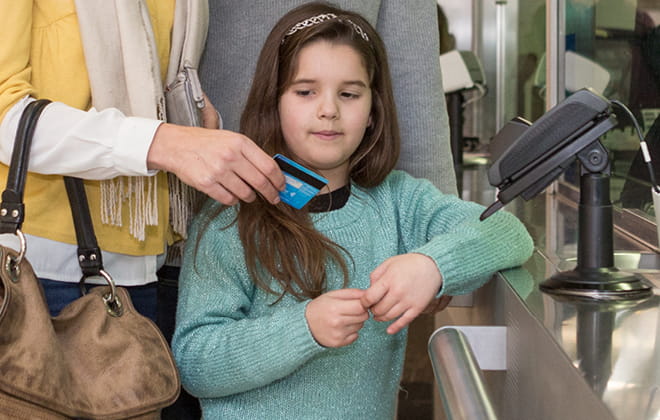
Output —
<point x="12" y="208"/>
<point x="89" y="253"/>
<point x="191" y="21"/>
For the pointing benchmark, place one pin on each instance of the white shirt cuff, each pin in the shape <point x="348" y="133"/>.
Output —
<point x="132" y="144"/>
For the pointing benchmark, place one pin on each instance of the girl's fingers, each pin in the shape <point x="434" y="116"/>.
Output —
<point x="374" y="294"/>
<point x="403" y="321"/>
<point x="391" y="312"/>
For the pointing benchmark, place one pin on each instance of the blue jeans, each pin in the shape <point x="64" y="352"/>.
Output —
<point x="59" y="294"/>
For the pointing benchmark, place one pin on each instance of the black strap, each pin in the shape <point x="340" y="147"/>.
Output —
<point x="89" y="253"/>
<point x="12" y="209"/>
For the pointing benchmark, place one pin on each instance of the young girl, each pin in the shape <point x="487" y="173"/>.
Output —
<point x="274" y="308"/>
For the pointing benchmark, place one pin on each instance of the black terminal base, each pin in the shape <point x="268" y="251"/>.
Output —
<point x="605" y="284"/>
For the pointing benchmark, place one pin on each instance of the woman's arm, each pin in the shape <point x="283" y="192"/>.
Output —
<point x="67" y="141"/>
<point x="100" y="145"/>
<point x="85" y="144"/>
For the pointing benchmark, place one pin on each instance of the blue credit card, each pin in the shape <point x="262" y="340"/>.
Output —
<point x="301" y="183"/>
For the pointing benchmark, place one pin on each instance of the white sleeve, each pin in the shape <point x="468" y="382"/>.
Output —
<point x="86" y="144"/>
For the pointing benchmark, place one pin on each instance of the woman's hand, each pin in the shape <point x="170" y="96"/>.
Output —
<point x="226" y="166"/>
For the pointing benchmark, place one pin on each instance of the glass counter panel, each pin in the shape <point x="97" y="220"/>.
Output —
<point x="613" y="46"/>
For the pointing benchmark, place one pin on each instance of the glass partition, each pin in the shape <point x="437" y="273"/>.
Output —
<point x="613" y="46"/>
<point x="531" y="59"/>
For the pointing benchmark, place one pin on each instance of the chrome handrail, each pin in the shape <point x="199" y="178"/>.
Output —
<point x="459" y="378"/>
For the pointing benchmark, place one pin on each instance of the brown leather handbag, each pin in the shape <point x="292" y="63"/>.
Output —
<point x="99" y="358"/>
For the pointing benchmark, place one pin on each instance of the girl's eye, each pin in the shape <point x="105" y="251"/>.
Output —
<point x="303" y="92"/>
<point x="350" y="95"/>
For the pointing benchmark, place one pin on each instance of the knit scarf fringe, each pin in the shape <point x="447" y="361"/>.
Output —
<point x="184" y="203"/>
<point x="141" y="194"/>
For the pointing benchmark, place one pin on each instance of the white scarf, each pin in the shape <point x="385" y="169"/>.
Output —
<point x="124" y="73"/>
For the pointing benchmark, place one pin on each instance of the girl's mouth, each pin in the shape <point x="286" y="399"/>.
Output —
<point x="326" y="134"/>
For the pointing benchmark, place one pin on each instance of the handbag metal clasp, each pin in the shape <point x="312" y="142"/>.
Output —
<point x="111" y="299"/>
<point x="13" y="264"/>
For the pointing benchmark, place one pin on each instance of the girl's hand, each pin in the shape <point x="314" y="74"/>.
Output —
<point x="335" y="317"/>
<point x="402" y="287"/>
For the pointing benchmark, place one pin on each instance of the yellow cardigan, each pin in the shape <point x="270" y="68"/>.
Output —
<point x="42" y="56"/>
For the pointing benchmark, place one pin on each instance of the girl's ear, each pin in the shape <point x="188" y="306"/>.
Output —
<point x="370" y="123"/>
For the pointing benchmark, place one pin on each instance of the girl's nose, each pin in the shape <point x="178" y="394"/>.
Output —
<point x="328" y="109"/>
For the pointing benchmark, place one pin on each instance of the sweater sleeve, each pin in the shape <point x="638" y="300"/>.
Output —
<point x="466" y="250"/>
<point x="219" y="347"/>
<point x="417" y="84"/>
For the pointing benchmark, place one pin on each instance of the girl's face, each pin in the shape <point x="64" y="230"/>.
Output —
<point x="326" y="109"/>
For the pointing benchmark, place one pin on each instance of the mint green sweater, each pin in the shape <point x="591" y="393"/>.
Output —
<point x="247" y="358"/>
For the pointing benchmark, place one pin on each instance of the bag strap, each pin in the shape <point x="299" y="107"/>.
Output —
<point x="12" y="208"/>
<point x="89" y="253"/>
<point x="191" y="21"/>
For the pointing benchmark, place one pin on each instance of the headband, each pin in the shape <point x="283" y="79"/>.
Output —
<point x="315" y="20"/>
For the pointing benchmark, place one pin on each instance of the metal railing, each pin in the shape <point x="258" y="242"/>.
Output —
<point x="459" y="378"/>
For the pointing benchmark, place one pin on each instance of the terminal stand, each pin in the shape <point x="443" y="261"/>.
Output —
<point x="595" y="276"/>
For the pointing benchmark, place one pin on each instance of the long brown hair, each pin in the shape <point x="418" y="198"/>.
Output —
<point x="280" y="241"/>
